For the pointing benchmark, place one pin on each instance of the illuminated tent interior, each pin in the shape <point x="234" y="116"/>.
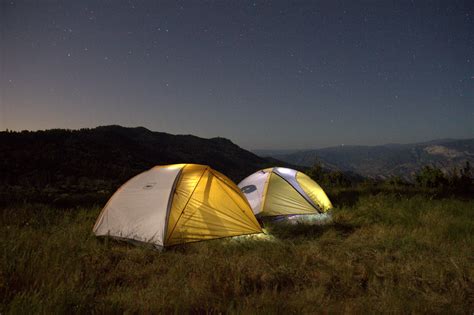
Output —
<point x="176" y="204"/>
<point x="282" y="191"/>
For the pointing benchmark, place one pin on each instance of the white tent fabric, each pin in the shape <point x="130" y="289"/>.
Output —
<point x="138" y="209"/>
<point x="254" y="187"/>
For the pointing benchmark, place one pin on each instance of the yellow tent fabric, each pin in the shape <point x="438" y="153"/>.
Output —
<point x="282" y="199"/>
<point x="207" y="205"/>
<point x="314" y="191"/>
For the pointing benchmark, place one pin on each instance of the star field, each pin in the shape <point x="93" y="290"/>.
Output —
<point x="266" y="74"/>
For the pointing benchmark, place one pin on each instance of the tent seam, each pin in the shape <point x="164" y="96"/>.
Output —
<point x="170" y="202"/>
<point x="265" y="190"/>
<point x="305" y="198"/>
<point x="321" y="209"/>
<point x="182" y="211"/>
<point x="235" y="201"/>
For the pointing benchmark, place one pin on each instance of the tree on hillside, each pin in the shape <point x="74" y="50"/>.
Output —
<point x="466" y="170"/>
<point x="316" y="172"/>
<point x="396" y="181"/>
<point x="464" y="182"/>
<point x="328" y="178"/>
<point x="431" y="177"/>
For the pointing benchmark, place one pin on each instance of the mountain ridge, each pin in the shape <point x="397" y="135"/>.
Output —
<point x="262" y="152"/>
<point x="387" y="160"/>
<point x="112" y="152"/>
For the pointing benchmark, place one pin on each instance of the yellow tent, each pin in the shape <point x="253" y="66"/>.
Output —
<point x="283" y="191"/>
<point x="175" y="204"/>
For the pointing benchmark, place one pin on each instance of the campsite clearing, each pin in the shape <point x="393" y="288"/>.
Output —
<point x="385" y="252"/>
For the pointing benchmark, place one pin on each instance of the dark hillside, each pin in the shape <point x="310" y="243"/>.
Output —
<point x="100" y="159"/>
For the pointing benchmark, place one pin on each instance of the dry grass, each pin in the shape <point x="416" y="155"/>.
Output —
<point x="383" y="254"/>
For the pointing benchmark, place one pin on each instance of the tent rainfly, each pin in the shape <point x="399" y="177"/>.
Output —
<point x="283" y="191"/>
<point x="176" y="204"/>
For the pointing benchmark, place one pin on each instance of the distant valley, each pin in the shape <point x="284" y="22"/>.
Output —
<point x="383" y="161"/>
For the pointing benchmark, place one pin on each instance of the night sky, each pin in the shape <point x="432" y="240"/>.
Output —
<point x="265" y="74"/>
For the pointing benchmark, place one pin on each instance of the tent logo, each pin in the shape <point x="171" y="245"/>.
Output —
<point x="249" y="189"/>
<point x="149" y="186"/>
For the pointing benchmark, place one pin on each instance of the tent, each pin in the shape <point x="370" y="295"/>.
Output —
<point x="283" y="191"/>
<point x="175" y="204"/>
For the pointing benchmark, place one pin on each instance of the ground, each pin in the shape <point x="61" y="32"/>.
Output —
<point x="384" y="252"/>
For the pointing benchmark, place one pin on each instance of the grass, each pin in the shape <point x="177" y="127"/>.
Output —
<point x="383" y="253"/>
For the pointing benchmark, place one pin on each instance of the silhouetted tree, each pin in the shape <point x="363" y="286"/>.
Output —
<point x="396" y="181"/>
<point x="464" y="181"/>
<point x="431" y="177"/>
<point x="328" y="178"/>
